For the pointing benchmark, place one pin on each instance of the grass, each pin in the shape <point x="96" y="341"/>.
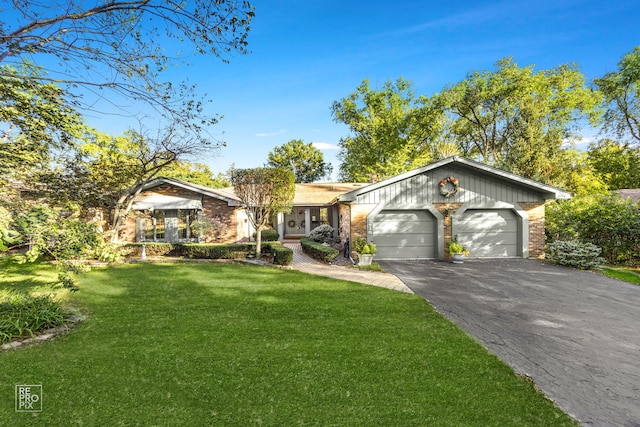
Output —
<point x="626" y="274"/>
<point x="234" y="345"/>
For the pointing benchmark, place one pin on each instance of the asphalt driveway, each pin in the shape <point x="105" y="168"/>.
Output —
<point x="575" y="333"/>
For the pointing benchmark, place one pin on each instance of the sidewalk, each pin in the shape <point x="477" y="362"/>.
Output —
<point x="305" y="263"/>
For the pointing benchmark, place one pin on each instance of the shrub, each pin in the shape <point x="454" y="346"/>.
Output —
<point x="319" y="251"/>
<point x="609" y="222"/>
<point x="358" y="244"/>
<point x="216" y="250"/>
<point x="132" y="250"/>
<point x="268" y="235"/>
<point x="21" y="314"/>
<point x="281" y="255"/>
<point x="573" y="253"/>
<point x="322" y="234"/>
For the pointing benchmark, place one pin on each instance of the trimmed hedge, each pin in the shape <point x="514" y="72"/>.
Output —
<point x="318" y="250"/>
<point x="281" y="255"/>
<point x="268" y="235"/>
<point x="134" y="250"/>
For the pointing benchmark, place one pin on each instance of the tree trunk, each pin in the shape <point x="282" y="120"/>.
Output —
<point x="122" y="209"/>
<point x="258" y="242"/>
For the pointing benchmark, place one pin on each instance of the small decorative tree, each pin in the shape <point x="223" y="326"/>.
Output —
<point x="263" y="192"/>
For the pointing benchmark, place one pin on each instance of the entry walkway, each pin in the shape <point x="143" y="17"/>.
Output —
<point x="305" y="263"/>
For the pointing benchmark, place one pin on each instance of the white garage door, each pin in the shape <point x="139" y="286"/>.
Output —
<point x="400" y="234"/>
<point x="488" y="233"/>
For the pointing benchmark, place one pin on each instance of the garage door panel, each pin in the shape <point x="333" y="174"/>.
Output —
<point x="404" y="234"/>
<point x="489" y="233"/>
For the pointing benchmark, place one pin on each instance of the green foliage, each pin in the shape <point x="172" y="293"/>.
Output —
<point x="574" y="253"/>
<point x="626" y="275"/>
<point x="281" y="254"/>
<point x="621" y="90"/>
<point x="608" y="221"/>
<point x="23" y="314"/>
<point x="457" y="248"/>
<point x="322" y="234"/>
<point x="39" y="121"/>
<point x="304" y="160"/>
<point x="518" y="119"/>
<point x="268" y="235"/>
<point x="195" y="173"/>
<point x="132" y="43"/>
<point x="390" y="134"/>
<point x="319" y="251"/>
<point x="617" y="164"/>
<point x="263" y="192"/>
<point x="368" y="249"/>
<point x="358" y="244"/>
<point x="215" y="250"/>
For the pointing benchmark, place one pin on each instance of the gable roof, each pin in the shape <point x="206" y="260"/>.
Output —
<point x="323" y="193"/>
<point x="217" y="193"/>
<point x="548" y="191"/>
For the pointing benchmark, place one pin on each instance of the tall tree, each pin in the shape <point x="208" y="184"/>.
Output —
<point x="516" y="118"/>
<point x="123" y="46"/>
<point x="622" y="96"/>
<point x="263" y="192"/>
<point x="389" y="133"/>
<point x="617" y="164"/>
<point x="304" y="160"/>
<point x="196" y="173"/>
<point x="36" y="121"/>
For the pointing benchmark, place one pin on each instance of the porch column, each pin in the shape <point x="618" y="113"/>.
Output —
<point x="307" y="221"/>
<point x="280" y="225"/>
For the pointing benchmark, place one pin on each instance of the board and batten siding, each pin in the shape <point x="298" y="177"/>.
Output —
<point x="475" y="187"/>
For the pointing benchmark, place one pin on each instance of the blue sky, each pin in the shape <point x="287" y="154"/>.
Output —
<point x="307" y="54"/>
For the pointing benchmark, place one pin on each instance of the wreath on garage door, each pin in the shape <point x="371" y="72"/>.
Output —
<point x="449" y="190"/>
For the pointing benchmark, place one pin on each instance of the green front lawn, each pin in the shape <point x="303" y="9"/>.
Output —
<point x="626" y="274"/>
<point x="236" y="345"/>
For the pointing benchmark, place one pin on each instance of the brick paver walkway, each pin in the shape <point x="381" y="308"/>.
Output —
<point x="303" y="262"/>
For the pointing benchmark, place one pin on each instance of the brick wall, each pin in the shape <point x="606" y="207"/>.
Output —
<point x="536" y="228"/>
<point x="222" y="216"/>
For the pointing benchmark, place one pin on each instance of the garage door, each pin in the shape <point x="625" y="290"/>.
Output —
<point x="488" y="233"/>
<point x="400" y="234"/>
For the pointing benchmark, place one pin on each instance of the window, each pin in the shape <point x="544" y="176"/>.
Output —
<point x="168" y="225"/>
<point x="324" y="216"/>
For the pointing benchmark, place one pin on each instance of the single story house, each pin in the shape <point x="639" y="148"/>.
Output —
<point x="411" y="216"/>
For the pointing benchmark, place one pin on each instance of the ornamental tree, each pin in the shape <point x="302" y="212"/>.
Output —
<point x="263" y="192"/>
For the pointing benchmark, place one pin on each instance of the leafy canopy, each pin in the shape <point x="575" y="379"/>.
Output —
<point x="518" y="119"/>
<point x="263" y="192"/>
<point x="122" y="47"/>
<point x="621" y="90"/>
<point x="304" y="160"/>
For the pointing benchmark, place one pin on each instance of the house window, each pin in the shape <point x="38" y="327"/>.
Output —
<point x="154" y="226"/>
<point x="186" y="217"/>
<point x="169" y="225"/>
<point x="324" y="216"/>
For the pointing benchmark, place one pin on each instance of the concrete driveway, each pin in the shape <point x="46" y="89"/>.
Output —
<point x="575" y="333"/>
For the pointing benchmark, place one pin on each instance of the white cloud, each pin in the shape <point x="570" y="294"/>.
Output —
<point x="267" y="134"/>
<point x="325" y="146"/>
